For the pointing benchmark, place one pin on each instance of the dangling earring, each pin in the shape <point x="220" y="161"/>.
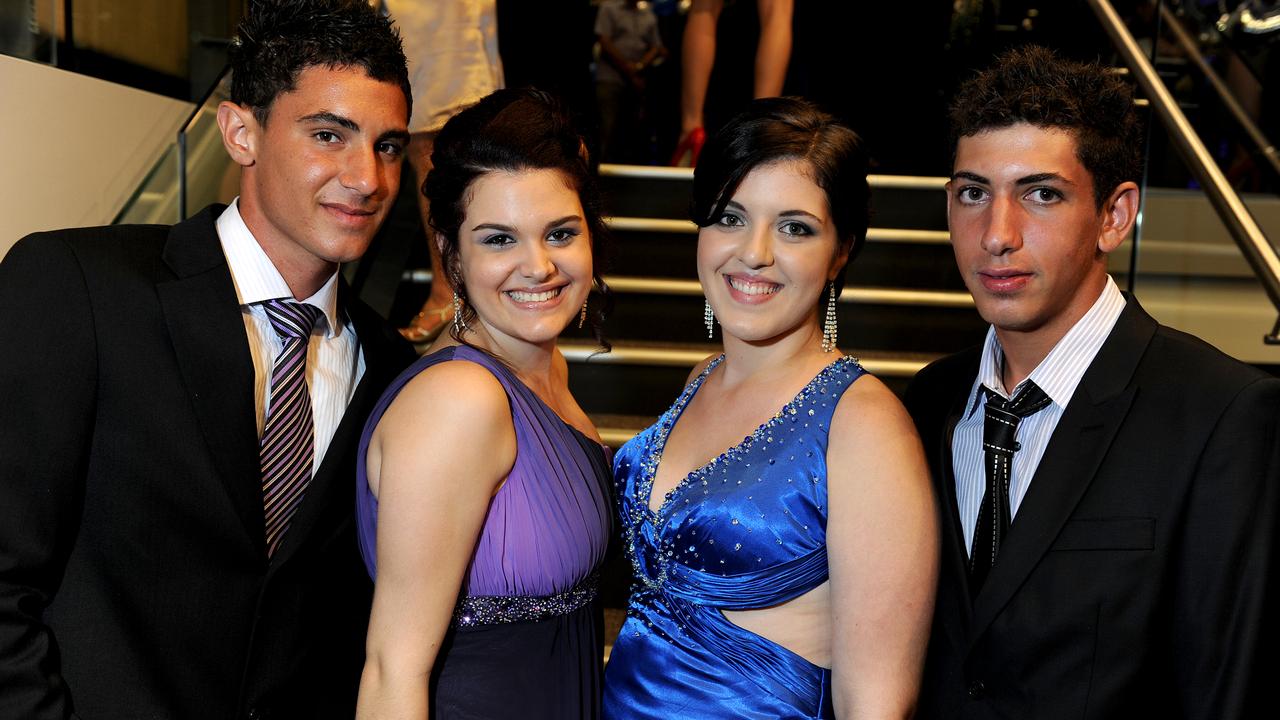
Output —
<point x="459" y="324"/>
<point x="582" y="316"/>
<point x="708" y="318"/>
<point x="829" y="326"/>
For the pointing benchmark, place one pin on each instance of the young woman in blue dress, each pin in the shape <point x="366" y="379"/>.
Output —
<point x="791" y="574"/>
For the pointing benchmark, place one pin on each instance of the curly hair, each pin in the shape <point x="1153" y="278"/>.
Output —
<point x="278" y="39"/>
<point x="787" y="128"/>
<point x="507" y="131"/>
<point x="1034" y="85"/>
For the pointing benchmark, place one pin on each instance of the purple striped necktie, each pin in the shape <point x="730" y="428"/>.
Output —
<point x="287" y="451"/>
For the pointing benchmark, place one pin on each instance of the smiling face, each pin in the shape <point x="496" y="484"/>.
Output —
<point x="525" y="255"/>
<point x="322" y="172"/>
<point x="766" y="261"/>
<point x="1027" y="233"/>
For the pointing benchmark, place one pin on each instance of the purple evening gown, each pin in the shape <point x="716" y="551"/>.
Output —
<point x="525" y="641"/>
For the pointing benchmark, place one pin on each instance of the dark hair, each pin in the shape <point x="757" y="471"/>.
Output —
<point x="508" y="131"/>
<point x="787" y="128"/>
<point x="1034" y="85"/>
<point x="278" y="39"/>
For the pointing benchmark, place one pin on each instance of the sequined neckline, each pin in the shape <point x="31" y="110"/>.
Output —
<point x="649" y="472"/>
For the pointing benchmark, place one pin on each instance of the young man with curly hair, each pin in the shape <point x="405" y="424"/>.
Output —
<point x="1108" y="486"/>
<point x="182" y="405"/>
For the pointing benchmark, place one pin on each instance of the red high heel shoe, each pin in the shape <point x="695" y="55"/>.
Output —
<point x="691" y="145"/>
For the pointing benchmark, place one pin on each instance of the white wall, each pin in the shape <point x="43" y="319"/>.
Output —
<point x="73" y="148"/>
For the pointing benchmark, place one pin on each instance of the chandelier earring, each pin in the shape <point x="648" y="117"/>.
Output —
<point x="829" y="325"/>
<point x="708" y="318"/>
<point x="459" y="323"/>
<point x="582" y="316"/>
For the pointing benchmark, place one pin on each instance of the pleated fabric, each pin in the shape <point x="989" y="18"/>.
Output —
<point x="545" y="533"/>
<point x="747" y="530"/>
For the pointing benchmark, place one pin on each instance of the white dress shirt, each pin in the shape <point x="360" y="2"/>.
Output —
<point x="335" y="363"/>
<point x="1057" y="375"/>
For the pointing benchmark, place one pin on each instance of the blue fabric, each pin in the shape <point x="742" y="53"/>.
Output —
<point x="747" y="530"/>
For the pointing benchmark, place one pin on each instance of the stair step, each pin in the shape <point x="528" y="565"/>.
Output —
<point x="627" y="389"/>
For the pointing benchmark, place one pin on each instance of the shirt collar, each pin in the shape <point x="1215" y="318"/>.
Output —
<point x="257" y="280"/>
<point x="1060" y="372"/>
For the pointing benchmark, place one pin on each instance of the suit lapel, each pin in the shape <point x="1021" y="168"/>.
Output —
<point x="208" y="336"/>
<point x="332" y="490"/>
<point x="954" y="555"/>
<point x="1070" y="462"/>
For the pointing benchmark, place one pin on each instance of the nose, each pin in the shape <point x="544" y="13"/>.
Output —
<point x="362" y="172"/>
<point x="536" y="263"/>
<point x="1003" y="234"/>
<point x="758" y="248"/>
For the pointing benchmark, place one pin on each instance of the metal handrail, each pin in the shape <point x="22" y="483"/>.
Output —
<point x="1228" y="99"/>
<point x="883" y="182"/>
<point x="1235" y="216"/>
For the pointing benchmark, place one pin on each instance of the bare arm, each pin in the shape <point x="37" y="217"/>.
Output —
<point x="437" y="457"/>
<point x="882" y="539"/>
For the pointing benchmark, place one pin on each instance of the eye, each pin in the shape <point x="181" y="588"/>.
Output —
<point x="971" y="194"/>
<point x="796" y="228"/>
<point x="390" y="149"/>
<point x="1044" y="195"/>
<point x="326" y="136"/>
<point x="729" y="220"/>
<point x="562" y="236"/>
<point x="497" y="240"/>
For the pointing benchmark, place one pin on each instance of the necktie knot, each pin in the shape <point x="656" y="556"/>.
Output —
<point x="292" y="320"/>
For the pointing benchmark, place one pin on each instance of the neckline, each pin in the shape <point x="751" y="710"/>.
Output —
<point x="515" y="379"/>
<point x="644" y="490"/>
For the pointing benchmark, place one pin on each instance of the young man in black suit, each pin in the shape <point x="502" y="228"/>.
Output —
<point x="1108" y="486"/>
<point x="177" y="441"/>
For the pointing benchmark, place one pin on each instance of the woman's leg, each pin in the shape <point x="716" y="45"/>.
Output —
<point x="438" y="308"/>
<point x="698" y="55"/>
<point x="773" y="51"/>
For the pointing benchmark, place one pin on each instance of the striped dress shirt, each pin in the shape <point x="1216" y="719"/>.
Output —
<point x="1058" y="375"/>
<point x="335" y="363"/>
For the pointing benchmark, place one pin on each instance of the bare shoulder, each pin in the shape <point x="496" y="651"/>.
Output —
<point x="870" y="407"/>
<point x="871" y="429"/>
<point x="702" y="365"/>
<point x="451" y="397"/>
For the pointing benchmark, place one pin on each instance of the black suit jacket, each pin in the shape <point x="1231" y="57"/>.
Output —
<point x="1137" y="577"/>
<point x="134" y="580"/>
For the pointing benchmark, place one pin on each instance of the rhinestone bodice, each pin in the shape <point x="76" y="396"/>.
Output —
<point x="749" y="527"/>
<point x="746" y="530"/>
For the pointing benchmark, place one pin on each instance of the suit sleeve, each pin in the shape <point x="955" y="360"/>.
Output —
<point x="47" y="380"/>
<point x="1224" y="613"/>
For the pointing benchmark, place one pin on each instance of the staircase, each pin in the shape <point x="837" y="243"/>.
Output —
<point x="903" y="305"/>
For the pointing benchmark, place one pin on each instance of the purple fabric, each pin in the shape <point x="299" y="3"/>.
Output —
<point x="548" y="526"/>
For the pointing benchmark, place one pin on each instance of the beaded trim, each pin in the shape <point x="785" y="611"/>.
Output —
<point x="640" y="510"/>
<point x="477" y="610"/>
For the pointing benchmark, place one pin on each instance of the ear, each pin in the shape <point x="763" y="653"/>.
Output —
<point x="840" y="261"/>
<point x="1119" y="213"/>
<point x="240" y="131"/>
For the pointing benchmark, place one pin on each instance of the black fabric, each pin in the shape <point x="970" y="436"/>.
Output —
<point x="134" y="580"/>
<point x="999" y="443"/>
<point x="544" y="670"/>
<point x="1139" y="578"/>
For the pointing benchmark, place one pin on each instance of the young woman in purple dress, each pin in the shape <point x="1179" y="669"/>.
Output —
<point x="482" y="501"/>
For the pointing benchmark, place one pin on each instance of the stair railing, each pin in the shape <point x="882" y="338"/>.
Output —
<point x="1253" y="243"/>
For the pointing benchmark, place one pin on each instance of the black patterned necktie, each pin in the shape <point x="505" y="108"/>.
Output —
<point x="999" y="443"/>
<point x="287" y="450"/>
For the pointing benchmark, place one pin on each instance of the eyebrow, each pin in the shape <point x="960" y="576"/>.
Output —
<point x="328" y="117"/>
<point x="346" y="122"/>
<point x="1026" y="180"/>
<point x="507" y="228"/>
<point x="785" y="213"/>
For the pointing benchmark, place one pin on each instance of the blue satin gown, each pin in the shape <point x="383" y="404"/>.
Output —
<point x="747" y="530"/>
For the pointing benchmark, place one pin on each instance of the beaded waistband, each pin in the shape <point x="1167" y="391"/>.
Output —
<point x="477" y="610"/>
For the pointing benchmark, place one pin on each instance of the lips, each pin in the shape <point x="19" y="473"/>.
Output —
<point x="1004" y="280"/>
<point x="349" y="214"/>
<point x="751" y="290"/>
<point x="526" y="296"/>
